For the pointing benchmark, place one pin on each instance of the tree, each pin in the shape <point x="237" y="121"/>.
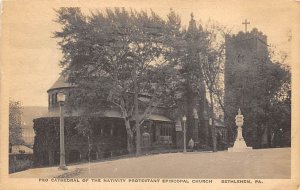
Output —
<point x="113" y="57"/>
<point x="212" y="67"/>
<point x="15" y="124"/>
<point x="217" y="34"/>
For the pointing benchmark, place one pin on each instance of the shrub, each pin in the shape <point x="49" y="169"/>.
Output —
<point x="19" y="165"/>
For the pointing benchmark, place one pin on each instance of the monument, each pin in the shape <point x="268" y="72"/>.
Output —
<point x="239" y="144"/>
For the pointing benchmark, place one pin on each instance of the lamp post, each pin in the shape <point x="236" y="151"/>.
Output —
<point x="61" y="97"/>
<point x="184" y="133"/>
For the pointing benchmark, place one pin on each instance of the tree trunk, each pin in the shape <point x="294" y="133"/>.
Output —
<point x="130" y="144"/>
<point x="136" y="114"/>
<point x="213" y="131"/>
<point x="129" y="137"/>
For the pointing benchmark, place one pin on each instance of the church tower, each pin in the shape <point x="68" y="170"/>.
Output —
<point x="195" y="98"/>
<point x="246" y="54"/>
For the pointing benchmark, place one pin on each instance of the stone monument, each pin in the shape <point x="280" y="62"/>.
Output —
<point x="239" y="144"/>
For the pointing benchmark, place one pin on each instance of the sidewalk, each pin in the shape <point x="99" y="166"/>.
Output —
<point x="49" y="172"/>
<point x="52" y="172"/>
<point x="267" y="163"/>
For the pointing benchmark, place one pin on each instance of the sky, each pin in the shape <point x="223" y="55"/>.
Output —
<point x="30" y="56"/>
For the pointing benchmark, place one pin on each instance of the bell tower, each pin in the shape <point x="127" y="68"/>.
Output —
<point x="246" y="53"/>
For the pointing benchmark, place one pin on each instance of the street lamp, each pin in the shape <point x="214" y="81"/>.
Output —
<point x="61" y="97"/>
<point x="184" y="133"/>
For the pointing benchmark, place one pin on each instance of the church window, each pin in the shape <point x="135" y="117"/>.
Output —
<point x="49" y="100"/>
<point x="154" y="132"/>
<point x="165" y="133"/>
<point x="53" y="100"/>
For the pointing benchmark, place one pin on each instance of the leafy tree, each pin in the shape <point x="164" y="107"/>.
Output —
<point x="113" y="57"/>
<point x="217" y="34"/>
<point x="279" y="111"/>
<point x="277" y="108"/>
<point x="15" y="124"/>
<point x="272" y="83"/>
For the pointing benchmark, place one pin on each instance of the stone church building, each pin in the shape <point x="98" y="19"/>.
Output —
<point x="108" y="132"/>
<point x="162" y="131"/>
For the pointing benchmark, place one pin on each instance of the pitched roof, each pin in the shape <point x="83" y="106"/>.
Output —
<point x="61" y="83"/>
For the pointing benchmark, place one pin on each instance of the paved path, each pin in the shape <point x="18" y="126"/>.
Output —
<point x="263" y="163"/>
<point x="49" y="172"/>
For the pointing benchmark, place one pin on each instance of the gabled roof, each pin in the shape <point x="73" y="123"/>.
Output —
<point x="60" y="83"/>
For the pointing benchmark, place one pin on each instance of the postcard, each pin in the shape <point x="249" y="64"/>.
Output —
<point x="149" y="94"/>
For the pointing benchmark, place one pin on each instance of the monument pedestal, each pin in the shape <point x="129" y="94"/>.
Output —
<point x="239" y="144"/>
